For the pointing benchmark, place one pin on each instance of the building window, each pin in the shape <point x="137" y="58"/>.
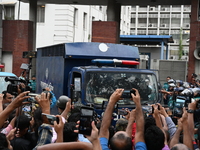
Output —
<point x="84" y="20"/>
<point x="100" y="8"/>
<point x="93" y="18"/>
<point x="8" y="11"/>
<point x="132" y="20"/>
<point x="40" y="13"/>
<point x="75" y="16"/>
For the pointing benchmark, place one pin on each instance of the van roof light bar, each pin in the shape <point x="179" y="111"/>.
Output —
<point x="115" y="62"/>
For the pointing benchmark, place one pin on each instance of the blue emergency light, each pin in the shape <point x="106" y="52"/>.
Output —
<point x="115" y="62"/>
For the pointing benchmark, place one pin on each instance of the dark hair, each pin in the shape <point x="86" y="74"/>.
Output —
<point x="154" y="138"/>
<point x="174" y="148"/>
<point x="37" y="116"/>
<point x="22" y="122"/>
<point x="3" y="141"/>
<point x="111" y="130"/>
<point x="149" y="121"/>
<point x="126" y="140"/>
<point x="168" y="77"/>
<point x="5" y="94"/>
<point x="74" y="117"/>
<point x="68" y="132"/>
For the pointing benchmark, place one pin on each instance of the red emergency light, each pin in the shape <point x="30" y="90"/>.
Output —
<point x="115" y="62"/>
<point x="1" y="66"/>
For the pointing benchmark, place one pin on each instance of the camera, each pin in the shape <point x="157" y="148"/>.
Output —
<point x="87" y="116"/>
<point x="127" y="93"/>
<point x="179" y="103"/>
<point x="122" y="112"/>
<point x="49" y="119"/>
<point x="44" y="91"/>
<point x="153" y="108"/>
<point x="12" y="88"/>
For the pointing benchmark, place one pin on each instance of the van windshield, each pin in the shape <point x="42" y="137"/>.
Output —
<point x="3" y="84"/>
<point x="99" y="86"/>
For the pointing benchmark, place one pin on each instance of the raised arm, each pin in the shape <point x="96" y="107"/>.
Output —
<point x="175" y="138"/>
<point x="17" y="102"/>
<point x="93" y="138"/>
<point x="139" y="135"/>
<point x="67" y="109"/>
<point x="107" y="117"/>
<point x="1" y="102"/>
<point x="131" y="120"/>
<point x="67" y="146"/>
<point x="59" y="129"/>
<point x="158" y="120"/>
<point x="187" y="139"/>
<point x="191" y="109"/>
<point x="170" y="124"/>
<point x="44" y="102"/>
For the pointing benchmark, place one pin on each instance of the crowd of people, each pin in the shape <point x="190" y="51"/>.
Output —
<point x="25" y="125"/>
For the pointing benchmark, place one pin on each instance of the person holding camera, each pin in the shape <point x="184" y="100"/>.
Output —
<point x="122" y="139"/>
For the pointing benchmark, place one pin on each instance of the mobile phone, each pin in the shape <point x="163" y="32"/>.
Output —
<point x="49" y="119"/>
<point x="122" y="112"/>
<point x="153" y="108"/>
<point x="87" y="115"/>
<point x="127" y="93"/>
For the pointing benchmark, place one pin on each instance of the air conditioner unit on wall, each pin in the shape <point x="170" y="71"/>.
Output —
<point x="184" y="58"/>
<point x="187" y="25"/>
<point x="163" y="25"/>
<point x="175" y="41"/>
<point x="151" y="25"/>
<point x="172" y="57"/>
<point x="152" y="8"/>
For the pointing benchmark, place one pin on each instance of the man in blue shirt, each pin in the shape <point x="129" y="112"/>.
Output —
<point x="121" y="140"/>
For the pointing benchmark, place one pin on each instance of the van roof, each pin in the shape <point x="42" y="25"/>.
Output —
<point x="5" y="74"/>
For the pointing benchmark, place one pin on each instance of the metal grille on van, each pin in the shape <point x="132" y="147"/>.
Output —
<point x="57" y="50"/>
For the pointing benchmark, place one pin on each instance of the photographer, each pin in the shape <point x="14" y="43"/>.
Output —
<point x="125" y="142"/>
<point x="17" y="102"/>
<point x="7" y="97"/>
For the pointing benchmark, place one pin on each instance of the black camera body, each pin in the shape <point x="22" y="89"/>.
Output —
<point x="49" y="119"/>
<point x="12" y="88"/>
<point x="180" y="102"/>
<point x="127" y="93"/>
<point x="122" y="112"/>
<point x="87" y="116"/>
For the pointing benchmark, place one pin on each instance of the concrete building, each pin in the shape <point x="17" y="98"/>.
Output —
<point x="63" y="23"/>
<point x="163" y="20"/>
<point x="59" y="23"/>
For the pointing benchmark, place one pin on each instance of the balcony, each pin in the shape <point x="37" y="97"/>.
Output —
<point x="142" y="15"/>
<point x="141" y="32"/>
<point x="153" y="16"/>
<point x="152" y="32"/>
<point x="132" y="25"/>
<point x="164" y="16"/>
<point x="176" y="16"/>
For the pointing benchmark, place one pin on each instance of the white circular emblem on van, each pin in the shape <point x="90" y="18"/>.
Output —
<point x="103" y="47"/>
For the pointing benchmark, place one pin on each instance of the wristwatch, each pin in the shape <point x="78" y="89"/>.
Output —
<point x="190" y="111"/>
